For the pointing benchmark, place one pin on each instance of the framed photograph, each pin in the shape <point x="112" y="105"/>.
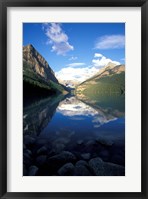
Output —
<point x="73" y="99"/>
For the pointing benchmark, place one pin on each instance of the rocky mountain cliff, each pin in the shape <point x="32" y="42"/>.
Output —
<point x="38" y="77"/>
<point x="37" y="63"/>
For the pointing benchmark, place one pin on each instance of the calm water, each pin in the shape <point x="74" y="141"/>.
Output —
<point x="88" y="130"/>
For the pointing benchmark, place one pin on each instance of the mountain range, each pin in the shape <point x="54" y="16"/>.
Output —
<point x="39" y="78"/>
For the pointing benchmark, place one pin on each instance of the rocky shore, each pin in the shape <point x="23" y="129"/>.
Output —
<point x="40" y="158"/>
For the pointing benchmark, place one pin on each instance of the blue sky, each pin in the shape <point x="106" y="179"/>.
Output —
<point x="74" y="50"/>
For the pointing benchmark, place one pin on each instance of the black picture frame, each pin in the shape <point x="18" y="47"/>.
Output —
<point x="4" y="4"/>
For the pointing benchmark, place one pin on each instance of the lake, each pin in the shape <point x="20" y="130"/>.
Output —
<point x="64" y="135"/>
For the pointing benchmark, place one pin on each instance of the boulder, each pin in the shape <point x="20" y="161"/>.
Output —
<point x="56" y="161"/>
<point x="66" y="170"/>
<point x="96" y="165"/>
<point x="42" y="150"/>
<point x="81" y="163"/>
<point x="81" y="170"/>
<point x="86" y="156"/>
<point x="104" y="154"/>
<point x="100" y="168"/>
<point x="79" y="142"/>
<point x="27" y="160"/>
<point x="90" y="143"/>
<point x="114" y="169"/>
<point x="118" y="159"/>
<point x="32" y="170"/>
<point x="58" y="147"/>
<point x="28" y="140"/>
<point x="40" y="160"/>
<point x="29" y="152"/>
<point x="40" y="142"/>
<point x="104" y="141"/>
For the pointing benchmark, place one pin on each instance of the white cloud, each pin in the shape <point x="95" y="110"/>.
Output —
<point x="57" y="38"/>
<point x="76" y="64"/>
<point x="101" y="61"/>
<point x="98" y="55"/>
<point x="61" y="48"/>
<point x="80" y="74"/>
<point x="76" y="74"/>
<point x="73" y="58"/>
<point x="110" y="42"/>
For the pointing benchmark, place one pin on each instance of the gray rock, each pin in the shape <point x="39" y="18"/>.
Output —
<point x="63" y="140"/>
<point x="41" y="142"/>
<point x="26" y="155"/>
<point x="28" y="140"/>
<point x="81" y="170"/>
<point x="42" y="150"/>
<point x="104" y="141"/>
<point x="82" y="163"/>
<point x="100" y="168"/>
<point x="33" y="170"/>
<point x="114" y="169"/>
<point x="104" y="153"/>
<point x="27" y="160"/>
<point x="90" y="143"/>
<point x="86" y="156"/>
<point x="56" y="161"/>
<point x="79" y="142"/>
<point x="96" y="165"/>
<point x="58" y="147"/>
<point x="40" y="160"/>
<point x="118" y="159"/>
<point x="64" y="155"/>
<point x="66" y="170"/>
<point x="28" y="152"/>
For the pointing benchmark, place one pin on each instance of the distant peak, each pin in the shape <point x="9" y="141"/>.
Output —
<point x="111" y="64"/>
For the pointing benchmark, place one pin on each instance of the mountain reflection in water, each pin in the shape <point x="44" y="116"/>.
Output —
<point x="73" y="107"/>
<point x="86" y="130"/>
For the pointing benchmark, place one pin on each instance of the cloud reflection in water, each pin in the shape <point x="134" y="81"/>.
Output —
<point x="78" y="110"/>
